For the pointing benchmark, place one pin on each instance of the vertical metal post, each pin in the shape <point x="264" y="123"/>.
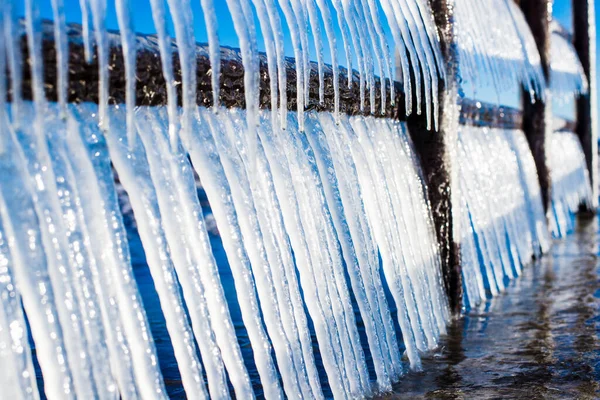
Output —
<point x="437" y="150"/>
<point x="584" y="40"/>
<point x="537" y="116"/>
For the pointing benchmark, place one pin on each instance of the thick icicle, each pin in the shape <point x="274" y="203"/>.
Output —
<point x="149" y="181"/>
<point x="257" y="234"/>
<point x="311" y="282"/>
<point x="344" y="219"/>
<point x="18" y="377"/>
<point x="31" y="271"/>
<point x="115" y="255"/>
<point x="81" y="258"/>
<point x="46" y="204"/>
<point x="246" y="258"/>
<point x="101" y="250"/>
<point x="382" y="220"/>
<point x="325" y="251"/>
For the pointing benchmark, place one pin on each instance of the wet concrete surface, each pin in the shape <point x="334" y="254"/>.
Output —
<point x="538" y="340"/>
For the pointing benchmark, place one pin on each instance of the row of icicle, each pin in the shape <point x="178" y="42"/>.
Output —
<point x="570" y="181"/>
<point x="502" y="219"/>
<point x="496" y="48"/>
<point x="358" y="24"/>
<point x="66" y="249"/>
<point x="324" y="204"/>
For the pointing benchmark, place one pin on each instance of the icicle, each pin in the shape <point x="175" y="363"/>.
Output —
<point x="570" y="179"/>
<point x="210" y="20"/>
<point x="316" y="33"/>
<point x="284" y="273"/>
<point x="62" y="53"/>
<point x="254" y="259"/>
<point x="112" y="249"/>
<point x="34" y="44"/>
<point x="277" y="34"/>
<point x="301" y="19"/>
<point x="3" y="117"/>
<point x="311" y="282"/>
<point x="35" y="149"/>
<point x="350" y="23"/>
<point x="13" y="52"/>
<point x="128" y="43"/>
<point x="416" y="60"/>
<point x="86" y="180"/>
<point x="374" y="185"/>
<point x="255" y="231"/>
<point x="337" y="5"/>
<point x="98" y="8"/>
<point x="426" y="57"/>
<point x="164" y="45"/>
<point x="401" y="48"/>
<point x="170" y="173"/>
<point x="325" y="252"/>
<point x="268" y="30"/>
<point x="247" y="37"/>
<point x="84" y="5"/>
<point x="33" y="271"/>
<point x="329" y="31"/>
<point x="346" y="224"/>
<point x="367" y="35"/>
<point x="18" y="376"/>
<point x="183" y="21"/>
<point x="82" y="262"/>
<point x="361" y="49"/>
<point x="295" y="36"/>
<point x="376" y="35"/>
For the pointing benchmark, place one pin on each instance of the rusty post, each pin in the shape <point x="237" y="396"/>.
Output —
<point x="436" y="151"/>
<point x="584" y="40"/>
<point x="537" y="115"/>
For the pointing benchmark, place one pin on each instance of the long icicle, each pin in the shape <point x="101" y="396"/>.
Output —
<point x="48" y="209"/>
